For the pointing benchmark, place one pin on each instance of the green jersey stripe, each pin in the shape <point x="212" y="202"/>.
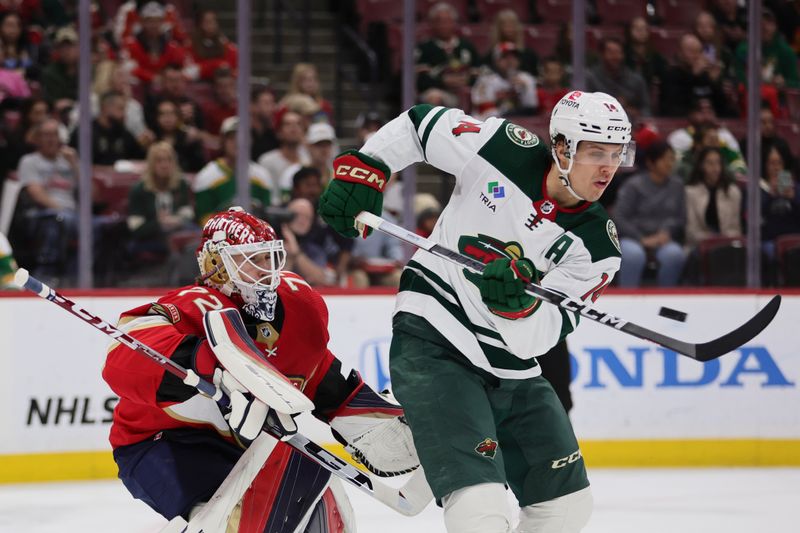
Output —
<point x="500" y="358"/>
<point x="418" y="113"/>
<point x="566" y="324"/>
<point x="496" y="356"/>
<point x="429" y="129"/>
<point x="434" y="277"/>
<point x="414" y="282"/>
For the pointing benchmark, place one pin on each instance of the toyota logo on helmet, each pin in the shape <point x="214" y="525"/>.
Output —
<point x="581" y="116"/>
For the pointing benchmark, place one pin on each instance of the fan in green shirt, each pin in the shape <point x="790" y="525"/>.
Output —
<point x="215" y="185"/>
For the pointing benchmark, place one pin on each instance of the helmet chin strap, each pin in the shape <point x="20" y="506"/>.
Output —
<point x="563" y="175"/>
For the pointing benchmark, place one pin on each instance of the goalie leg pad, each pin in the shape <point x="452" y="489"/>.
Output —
<point x="480" y="508"/>
<point x="284" y="495"/>
<point x="565" y="514"/>
<point x="333" y="513"/>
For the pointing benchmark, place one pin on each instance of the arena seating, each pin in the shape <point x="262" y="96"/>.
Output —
<point x="554" y="11"/>
<point x="787" y="250"/>
<point x="723" y="261"/>
<point x="620" y="12"/>
<point x="678" y="12"/>
<point x="488" y="9"/>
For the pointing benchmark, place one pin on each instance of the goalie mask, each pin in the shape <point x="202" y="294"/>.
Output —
<point x="241" y="256"/>
<point x="596" y="117"/>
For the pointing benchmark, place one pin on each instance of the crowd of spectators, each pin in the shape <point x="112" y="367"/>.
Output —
<point x="164" y="106"/>
<point x="686" y="197"/>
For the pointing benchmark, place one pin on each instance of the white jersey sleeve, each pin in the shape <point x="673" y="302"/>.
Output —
<point x="443" y="137"/>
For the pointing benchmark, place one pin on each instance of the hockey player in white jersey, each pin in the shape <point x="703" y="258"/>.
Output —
<point x="464" y="346"/>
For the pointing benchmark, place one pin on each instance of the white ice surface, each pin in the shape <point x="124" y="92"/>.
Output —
<point x="747" y="500"/>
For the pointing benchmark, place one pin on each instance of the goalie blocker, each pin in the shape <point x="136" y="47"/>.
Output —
<point x="370" y="425"/>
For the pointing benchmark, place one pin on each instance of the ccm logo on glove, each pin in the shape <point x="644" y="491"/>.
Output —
<point x="350" y="168"/>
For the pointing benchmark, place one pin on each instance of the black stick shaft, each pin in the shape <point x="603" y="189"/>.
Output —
<point x="700" y="351"/>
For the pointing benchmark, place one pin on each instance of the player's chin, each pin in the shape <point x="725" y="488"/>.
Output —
<point x="594" y="193"/>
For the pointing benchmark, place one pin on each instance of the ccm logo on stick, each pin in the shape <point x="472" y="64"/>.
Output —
<point x="347" y="171"/>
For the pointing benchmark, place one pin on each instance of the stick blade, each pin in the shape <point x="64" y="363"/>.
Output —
<point x="746" y="332"/>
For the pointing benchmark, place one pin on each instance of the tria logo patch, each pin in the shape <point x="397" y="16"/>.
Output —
<point x="495" y="195"/>
<point x="496" y="190"/>
<point x="487" y="448"/>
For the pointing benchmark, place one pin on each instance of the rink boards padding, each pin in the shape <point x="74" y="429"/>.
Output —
<point x="636" y="404"/>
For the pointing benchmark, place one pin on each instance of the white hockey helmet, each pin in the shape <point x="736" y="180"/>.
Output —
<point x="597" y="117"/>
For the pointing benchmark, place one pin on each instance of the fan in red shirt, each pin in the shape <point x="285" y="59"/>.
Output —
<point x="152" y="48"/>
<point x="174" y="447"/>
<point x="128" y="20"/>
<point x="210" y="49"/>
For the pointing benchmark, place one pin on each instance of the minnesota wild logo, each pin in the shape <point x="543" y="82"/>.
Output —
<point x="486" y="249"/>
<point x="520" y="136"/>
<point x="487" y="448"/>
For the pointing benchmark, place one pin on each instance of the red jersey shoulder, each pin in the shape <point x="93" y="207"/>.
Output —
<point x="300" y="300"/>
<point x="190" y="303"/>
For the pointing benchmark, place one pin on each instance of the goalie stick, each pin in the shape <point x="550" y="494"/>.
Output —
<point x="704" y="351"/>
<point x="409" y="500"/>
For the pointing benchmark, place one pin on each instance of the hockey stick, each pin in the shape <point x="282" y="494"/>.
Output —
<point x="704" y="351"/>
<point x="409" y="500"/>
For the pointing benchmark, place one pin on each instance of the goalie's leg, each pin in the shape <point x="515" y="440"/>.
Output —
<point x="176" y="469"/>
<point x="292" y="494"/>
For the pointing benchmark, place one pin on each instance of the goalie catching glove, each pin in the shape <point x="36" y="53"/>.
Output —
<point x="358" y="185"/>
<point x="373" y="430"/>
<point x="502" y="287"/>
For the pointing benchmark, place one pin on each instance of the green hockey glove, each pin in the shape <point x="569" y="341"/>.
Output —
<point x="502" y="287"/>
<point x="358" y="185"/>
